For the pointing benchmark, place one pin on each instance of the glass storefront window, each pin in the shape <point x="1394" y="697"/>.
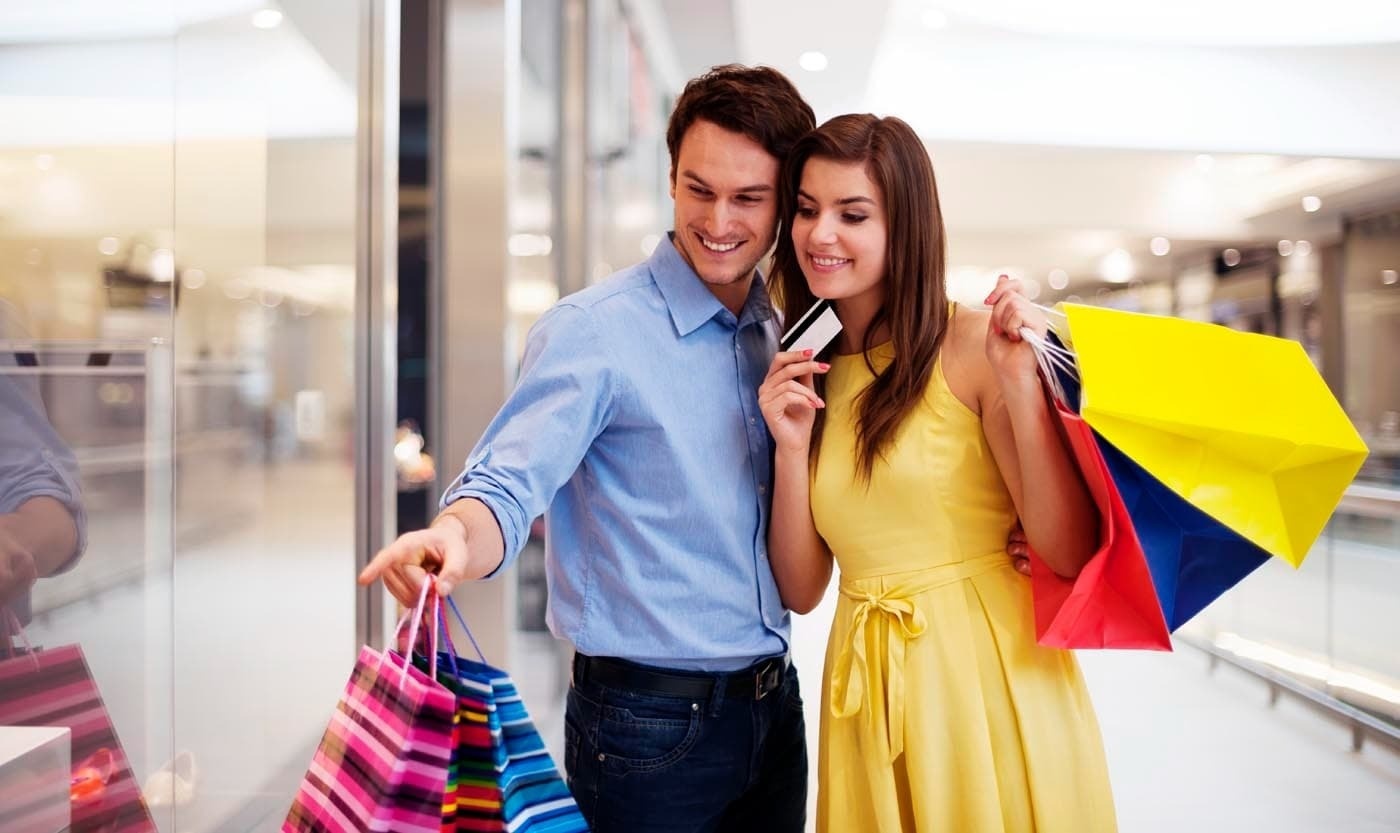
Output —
<point x="178" y="241"/>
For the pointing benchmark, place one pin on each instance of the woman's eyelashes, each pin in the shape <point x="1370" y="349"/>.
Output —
<point x="807" y="212"/>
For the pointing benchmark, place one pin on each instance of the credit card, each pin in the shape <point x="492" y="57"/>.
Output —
<point x="814" y="330"/>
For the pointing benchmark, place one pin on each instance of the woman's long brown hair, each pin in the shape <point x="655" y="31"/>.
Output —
<point x="915" y="307"/>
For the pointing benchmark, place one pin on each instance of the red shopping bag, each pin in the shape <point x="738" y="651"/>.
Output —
<point x="1112" y="603"/>
<point x="53" y="687"/>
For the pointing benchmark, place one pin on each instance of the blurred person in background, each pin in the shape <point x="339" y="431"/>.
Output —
<point x="905" y="454"/>
<point x="42" y="522"/>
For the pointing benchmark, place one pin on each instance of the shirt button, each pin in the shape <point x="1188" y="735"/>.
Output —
<point x="753" y="421"/>
<point x="762" y="489"/>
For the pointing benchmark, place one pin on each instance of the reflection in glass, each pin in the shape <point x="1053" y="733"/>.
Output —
<point x="177" y="308"/>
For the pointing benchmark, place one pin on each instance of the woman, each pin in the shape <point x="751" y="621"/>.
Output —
<point x="907" y="458"/>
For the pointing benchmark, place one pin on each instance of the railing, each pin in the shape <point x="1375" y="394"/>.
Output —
<point x="1365" y="528"/>
<point x="1362" y="724"/>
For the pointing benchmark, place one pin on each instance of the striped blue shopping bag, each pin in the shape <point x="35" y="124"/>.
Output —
<point x="533" y="796"/>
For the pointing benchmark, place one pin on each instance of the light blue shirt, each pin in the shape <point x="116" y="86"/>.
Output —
<point x="635" y="424"/>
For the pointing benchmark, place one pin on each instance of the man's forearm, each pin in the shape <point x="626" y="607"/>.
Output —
<point x="45" y="528"/>
<point x="477" y="524"/>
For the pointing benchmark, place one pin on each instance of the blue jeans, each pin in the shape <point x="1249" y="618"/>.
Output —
<point x="638" y="762"/>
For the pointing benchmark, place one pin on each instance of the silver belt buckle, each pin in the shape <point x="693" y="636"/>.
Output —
<point x="766" y="679"/>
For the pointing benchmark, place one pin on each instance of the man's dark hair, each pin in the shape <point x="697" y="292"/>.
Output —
<point x="757" y="102"/>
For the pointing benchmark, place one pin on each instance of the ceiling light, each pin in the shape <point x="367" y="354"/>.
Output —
<point x="812" y="61"/>
<point x="1311" y="204"/>
<point x="1231" y="257"/>
<point x="267" y="18"/>
<point x="109" y="246"/>
<point x="1117" y="266"/>
<point x="1390" y="277"/>
<point x="1058" y="279"/>
<point x="1302" y="248"/>
<point x="1285" y="247"/>
<point x="1161" y="246"/>
<point x="161" y="266"/>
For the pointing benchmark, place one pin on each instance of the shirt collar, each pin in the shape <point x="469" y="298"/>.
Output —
<point x="690" y="302"/>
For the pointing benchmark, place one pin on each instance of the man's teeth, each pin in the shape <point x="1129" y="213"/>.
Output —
<point x="830" y="261"/>
<point x="719" y="247"/>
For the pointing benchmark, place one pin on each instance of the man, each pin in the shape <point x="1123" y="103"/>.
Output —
<point x="635" y="421"/>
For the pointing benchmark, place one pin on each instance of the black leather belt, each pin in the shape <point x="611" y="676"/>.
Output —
<point x="756" y="681"/>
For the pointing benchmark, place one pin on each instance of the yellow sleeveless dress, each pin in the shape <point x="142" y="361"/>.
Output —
<point x="939" y="711"/>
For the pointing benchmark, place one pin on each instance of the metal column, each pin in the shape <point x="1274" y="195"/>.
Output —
<point x="474" y="366"/>
<point x="376" y="304"/>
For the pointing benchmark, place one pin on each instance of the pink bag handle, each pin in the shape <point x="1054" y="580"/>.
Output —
<point x="413" y="620"/>
<point x="13" y="628"/>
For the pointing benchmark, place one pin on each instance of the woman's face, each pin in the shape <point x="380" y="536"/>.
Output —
<point x="839" y="232"/>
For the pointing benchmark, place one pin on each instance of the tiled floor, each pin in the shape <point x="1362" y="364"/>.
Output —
<point x="1188" y="749"/>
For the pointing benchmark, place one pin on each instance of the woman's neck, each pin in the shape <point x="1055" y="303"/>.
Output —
<point x="857" y="314"/>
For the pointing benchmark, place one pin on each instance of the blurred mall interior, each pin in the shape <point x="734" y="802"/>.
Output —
<point x="269" y="268"/>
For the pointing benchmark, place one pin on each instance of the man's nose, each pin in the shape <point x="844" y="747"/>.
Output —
<point x="717" y="220"/>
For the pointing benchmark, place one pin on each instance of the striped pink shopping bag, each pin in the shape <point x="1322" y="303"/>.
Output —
<point x="54" y="687"/>
<point x="383" y="762"/>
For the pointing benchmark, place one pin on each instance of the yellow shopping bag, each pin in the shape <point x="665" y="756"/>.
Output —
<point x="1240" y="425"/>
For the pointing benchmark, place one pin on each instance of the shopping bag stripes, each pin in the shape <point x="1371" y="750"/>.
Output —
<point x="473" y="797"/>
<point x="382" y="764"/>
<point x="478" y="755"/>
<point x="54" y="687"/>
<point x="533" y="796"/>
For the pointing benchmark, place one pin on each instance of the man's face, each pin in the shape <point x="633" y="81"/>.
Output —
<point x="725" y="186"/>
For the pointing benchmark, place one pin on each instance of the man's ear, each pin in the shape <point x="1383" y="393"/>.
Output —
<point x="673" y="183"/>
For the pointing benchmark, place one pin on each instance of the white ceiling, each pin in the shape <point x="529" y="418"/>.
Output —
<point x="1059" y="130"/>
<point x="1063" y="130"/>
<point x="1189" y="22"/>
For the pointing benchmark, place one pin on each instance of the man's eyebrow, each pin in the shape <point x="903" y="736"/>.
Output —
<point x="842" y="201"/>
<point x="747" y="189"/>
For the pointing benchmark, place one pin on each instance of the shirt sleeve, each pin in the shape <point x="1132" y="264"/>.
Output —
<point x="562" y="401"/>
<point x="35" y="462"/>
